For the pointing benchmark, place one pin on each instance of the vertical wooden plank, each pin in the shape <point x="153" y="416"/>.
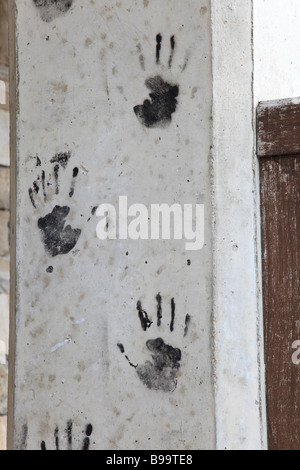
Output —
<point x="280" y="197"/>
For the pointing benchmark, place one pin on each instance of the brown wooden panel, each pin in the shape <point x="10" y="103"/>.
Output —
<point x="278" y="127"/>
<point x="280" y="211"/>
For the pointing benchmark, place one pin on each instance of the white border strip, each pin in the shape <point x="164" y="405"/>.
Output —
<point x="239" y="389"/>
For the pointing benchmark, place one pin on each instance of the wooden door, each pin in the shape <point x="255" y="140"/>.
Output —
<point x="278" y="146"/>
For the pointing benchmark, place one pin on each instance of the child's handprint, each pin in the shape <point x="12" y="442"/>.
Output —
<point x="69" y="436"/>
<point x="161" y="372"/>
<point x="57" y="238"/>
<point x="158" y="111"/>
<point x="50" y="9"/>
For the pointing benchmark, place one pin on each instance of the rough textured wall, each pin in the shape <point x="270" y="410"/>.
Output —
<point x="237" y="309"/>
<point x="113" y="337"/>
<point x="4" y="217"/>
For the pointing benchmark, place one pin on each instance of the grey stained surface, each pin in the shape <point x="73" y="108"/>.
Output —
<point x="113" y="337"/>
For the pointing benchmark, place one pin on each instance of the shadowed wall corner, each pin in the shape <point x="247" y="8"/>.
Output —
<point x="4" y="217"/>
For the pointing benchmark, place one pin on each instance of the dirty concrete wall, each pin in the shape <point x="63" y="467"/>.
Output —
<point x="4" y="219"/>
<point x="113" y="343"/>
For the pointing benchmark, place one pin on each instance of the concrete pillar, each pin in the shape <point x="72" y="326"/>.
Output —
<point x="240" y="404"/>
<point x="112" y="337"/>
<point x="4" y="217"/>
<point x="124" y="337"/>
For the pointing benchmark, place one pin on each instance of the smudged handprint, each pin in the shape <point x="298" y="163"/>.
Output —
<point x="157" y="112"/>
<point x="161" y="372"/>
<point x="69" y="438"/>
<point x="51" y="9"/>
<point x="58" y="238"/>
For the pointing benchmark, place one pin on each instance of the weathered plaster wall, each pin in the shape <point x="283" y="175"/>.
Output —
<point x="4" y="218"/>
<point x="83" y="138"/>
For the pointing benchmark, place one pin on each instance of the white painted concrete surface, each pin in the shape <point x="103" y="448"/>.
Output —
<point x="2" y="92"/>
<point x="3" y="425"/>
<point x="81" y="73"/>
<point x="4" y="327"/>
<point x="237" y="312"/>
<point x="4" y="137"/>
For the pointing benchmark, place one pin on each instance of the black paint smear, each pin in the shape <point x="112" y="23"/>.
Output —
<point x="172" y="41"/>
<point x="43" y="445"/>
<point x="143" y="316"/>
<point x="38" y="161"/>
<point x="51" y="9"/>
<point x="58" y="239"/>
<point x="141" y="57"/>
<point x="130" y="363"/>
<point x="69" y="430"/>
<point x="172" y="315"/>
<point x="62" y="158"/>
<point x="89" y="430"/>
<point x="75" y="174"/>
<point x="44" y="185"/>
<point x="161" y="374"/>
<point x="158" y="112"/>
<point x="24" y="437"/>
<point x="94" y="210"/>
<point x="56" y="172"/>
<point x="122" y="349"/>
<point x="86" y="441"/>
<point x="187" y="324"/>
<point x="30" y="192"/>
<point x="158" y="47"/>
<point x="186" y="61"/>
<point x="36" y="187"/>
<point x="159" y="309"/>
<point x="56" y="437"/>
<point x="35" y="190"/>
<point x="49" y="269"/>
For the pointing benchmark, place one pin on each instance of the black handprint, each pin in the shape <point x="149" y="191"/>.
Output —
<point x="160" y="373"/>
<point x="58" y="239"/>
<point x="50" y="9"/>
<point x="69" y="435"/>
<point x="158" y="111"/>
